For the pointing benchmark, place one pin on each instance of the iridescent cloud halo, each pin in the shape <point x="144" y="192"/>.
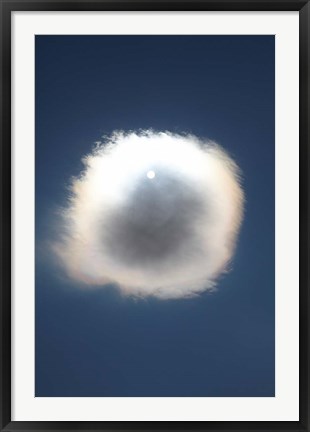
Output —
<point x="155" y="213"/>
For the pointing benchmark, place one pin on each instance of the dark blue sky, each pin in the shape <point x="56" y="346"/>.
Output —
<point x="97" y="343"/>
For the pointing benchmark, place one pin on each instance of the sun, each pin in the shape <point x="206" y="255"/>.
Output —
<point x="151" y="174"/>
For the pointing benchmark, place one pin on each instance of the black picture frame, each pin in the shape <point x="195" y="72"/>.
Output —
<point x="9" y="6"/>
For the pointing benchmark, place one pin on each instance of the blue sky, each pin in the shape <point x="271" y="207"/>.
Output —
<point x="97" y="342"/>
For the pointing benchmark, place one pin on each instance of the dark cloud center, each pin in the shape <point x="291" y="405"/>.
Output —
<point x="156" y="223"/>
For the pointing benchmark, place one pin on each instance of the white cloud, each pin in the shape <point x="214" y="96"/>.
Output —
<point x="155" y="213"/>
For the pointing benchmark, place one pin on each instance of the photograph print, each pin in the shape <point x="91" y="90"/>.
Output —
<point x="154" y="216"/>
